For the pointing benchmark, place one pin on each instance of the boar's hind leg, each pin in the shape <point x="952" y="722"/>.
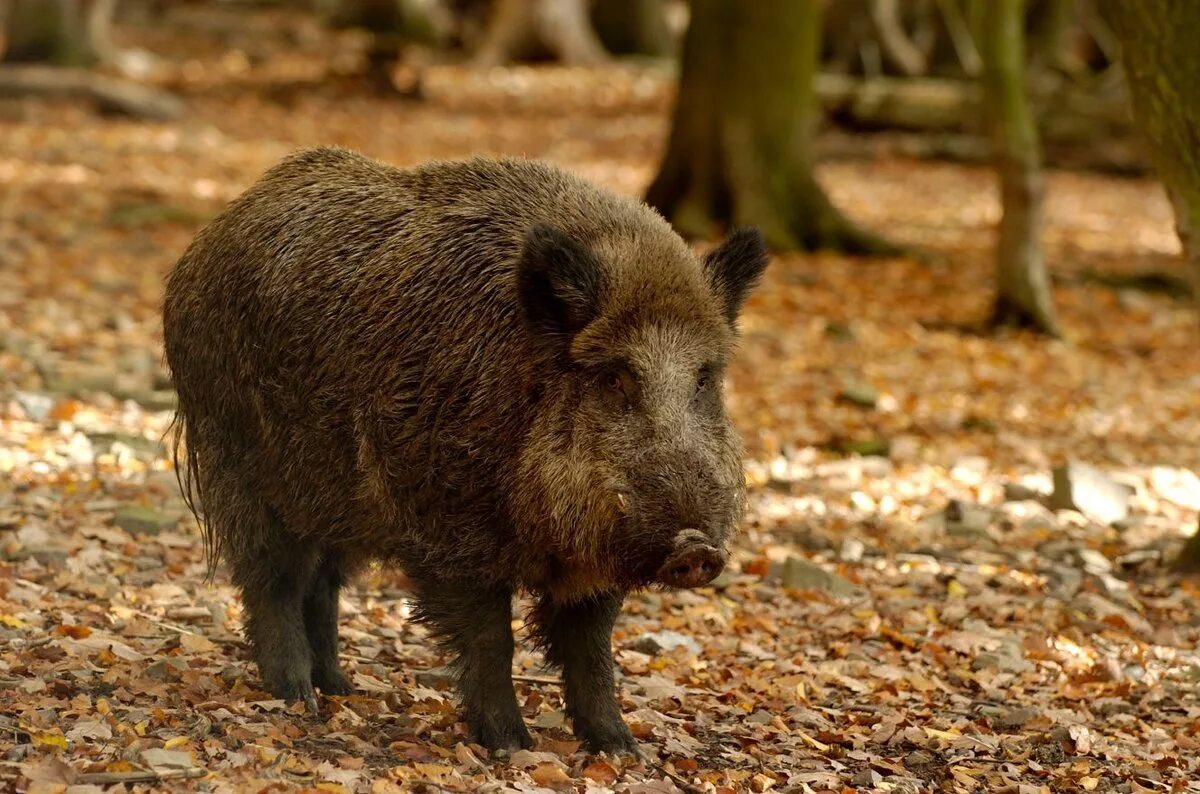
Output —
<point x="274" y="577"/>
<point x="321" y="624"/>
<point x="578" y="638"/>
<point x="475" y="623"/>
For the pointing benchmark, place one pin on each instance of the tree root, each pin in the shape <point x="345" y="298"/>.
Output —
<point x="1007" y="313"/>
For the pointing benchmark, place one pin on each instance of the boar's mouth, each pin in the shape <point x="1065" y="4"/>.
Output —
<point x="693" y="561"/>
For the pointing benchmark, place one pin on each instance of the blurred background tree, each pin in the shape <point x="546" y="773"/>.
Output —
<point x="50" y="31"/>
<point x="1022" y="286"/>
<point x="742" y="142"/>
<point x="1162" y="64"/>
<point x="522" y="29"/>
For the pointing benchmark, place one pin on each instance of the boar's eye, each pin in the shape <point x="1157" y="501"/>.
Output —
<point x="616" y="385"/>
<point x="704" y="380"/>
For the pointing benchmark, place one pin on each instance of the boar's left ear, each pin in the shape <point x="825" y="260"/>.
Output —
<point x="559" y="280"/>
<point x="734" y="267"/>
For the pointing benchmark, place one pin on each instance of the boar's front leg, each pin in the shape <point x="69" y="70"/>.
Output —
<point x="578" y="638"/>
<point x="475" y="623"/>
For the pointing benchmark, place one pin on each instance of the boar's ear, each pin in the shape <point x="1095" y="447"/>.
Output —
<point x="560" y="282"/>
<point x="734" y="267"/>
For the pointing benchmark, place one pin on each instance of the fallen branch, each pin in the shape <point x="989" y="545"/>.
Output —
<point x="169" y="626"/>
<point x="109" y="94"/>
<point x="138" y="776"/>
<point x="538" y="679"/>
<point x="680" y="780"/>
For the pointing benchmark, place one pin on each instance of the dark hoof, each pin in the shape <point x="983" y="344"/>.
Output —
<point x="611" y="739"/>
<point x="292" y="690"/>
<point x="502" y="739"/>
<point x="332" y="682"/>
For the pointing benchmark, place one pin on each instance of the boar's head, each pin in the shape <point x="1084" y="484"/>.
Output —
<point x="632" y="473"/>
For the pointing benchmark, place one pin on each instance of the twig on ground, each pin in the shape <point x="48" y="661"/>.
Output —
<point x="680" y="780"/>
<point x="538" y="679"/>
<point x="138" y="776"/>
<point x="169" y="626"/>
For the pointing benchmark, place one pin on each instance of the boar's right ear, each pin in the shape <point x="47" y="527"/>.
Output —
<point x="559" y="281"/>
<point x="734" y="267"/>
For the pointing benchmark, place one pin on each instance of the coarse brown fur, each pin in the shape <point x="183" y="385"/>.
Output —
<point x="490" y="372"/>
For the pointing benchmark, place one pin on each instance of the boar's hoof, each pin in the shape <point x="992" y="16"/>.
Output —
<point x="612" y="739"/>
<point x="332" y="682"/>
<point x="694" y="563"/>
<point x="502" y="738"/>
<point x="292" y="690"/>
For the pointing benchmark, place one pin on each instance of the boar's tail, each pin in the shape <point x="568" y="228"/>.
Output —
<point x="188" y="477"/>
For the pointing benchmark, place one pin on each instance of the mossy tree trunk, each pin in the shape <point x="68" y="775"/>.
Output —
<point x="741" y="147"/>
<point x="47" y="31"/>
<point x="1022" y="286"/>
<point x="1159" y="50"/>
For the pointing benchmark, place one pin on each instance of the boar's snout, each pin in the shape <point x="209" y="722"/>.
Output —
<point x="694" y="562"/>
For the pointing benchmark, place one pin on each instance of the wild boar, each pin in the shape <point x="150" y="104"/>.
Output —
<point x="492" y="373"/>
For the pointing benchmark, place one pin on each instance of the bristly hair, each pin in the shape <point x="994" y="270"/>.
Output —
<point x="189" y="487"/>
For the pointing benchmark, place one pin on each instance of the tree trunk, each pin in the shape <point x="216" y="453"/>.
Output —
<point x="741" y="147"/>
<point x="633" y="27"/>
<point x="1022" y="287"/>
<point x="520" y="29"/>
<point x="47" y="31"/>
<point x="1158" y="45"/>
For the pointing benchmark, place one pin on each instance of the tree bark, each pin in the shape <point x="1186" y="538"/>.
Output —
<point x="1158" y="47"/>
<point x="1022" y="286"/>
<point x="47" y="31"/>
<point x="519" y="29"/>
<point x="741" y="147"/>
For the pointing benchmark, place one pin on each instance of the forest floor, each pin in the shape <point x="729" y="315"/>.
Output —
<point x="906" y="609"/>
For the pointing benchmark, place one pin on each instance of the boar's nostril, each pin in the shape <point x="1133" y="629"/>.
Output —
<point x="691" y="565"/>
